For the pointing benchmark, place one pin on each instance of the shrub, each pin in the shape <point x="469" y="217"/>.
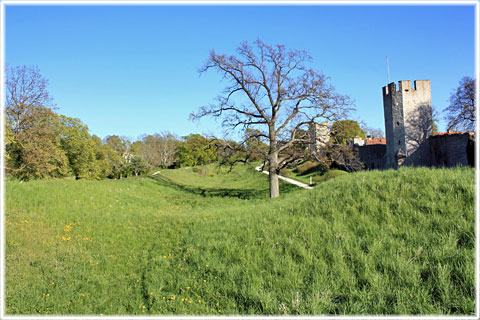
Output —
<point x="285" y="172"/>
<point x="308" y="167"/>
<point x="330" y="174"/>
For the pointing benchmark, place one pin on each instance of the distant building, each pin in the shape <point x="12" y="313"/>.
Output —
<point x="319" y="136"/>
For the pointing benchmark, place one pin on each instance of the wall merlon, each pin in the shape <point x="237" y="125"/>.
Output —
<point x="404" y="85"/>
<point x="391" y="87"/>
<point x="421" y="84"/>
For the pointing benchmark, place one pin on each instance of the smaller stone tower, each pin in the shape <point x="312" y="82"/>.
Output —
<point x="408" y="119"/>
<point x="319" y="135"/>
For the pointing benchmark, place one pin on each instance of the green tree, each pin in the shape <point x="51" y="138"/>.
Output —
<point x="104" y="157"/>
<point x="32" y="146"/>
<point x="137" y="165"/>
<point x="119" y="155"/>
<point x="196" y="150"/>
<point x="79" y="148"/>
<point x="255" y="148"/>
<point x="344" y="131"/>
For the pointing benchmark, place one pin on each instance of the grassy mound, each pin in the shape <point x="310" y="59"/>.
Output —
<point x="330" y="174"/>
<point x="391" y="242"/>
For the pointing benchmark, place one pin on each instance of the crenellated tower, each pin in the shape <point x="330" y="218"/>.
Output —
<point x="408" y="119"/>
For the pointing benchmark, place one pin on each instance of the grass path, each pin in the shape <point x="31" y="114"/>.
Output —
<point x="292" y="181"/>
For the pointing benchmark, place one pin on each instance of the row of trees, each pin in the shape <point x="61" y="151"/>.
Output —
<point x="272" y="95"/>
<point x="41" y="143"/>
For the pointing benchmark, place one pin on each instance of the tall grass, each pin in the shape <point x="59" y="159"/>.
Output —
<point x="391" y="242"/>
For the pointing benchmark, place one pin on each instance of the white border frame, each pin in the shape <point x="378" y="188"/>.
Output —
<point x="231" y="3"/>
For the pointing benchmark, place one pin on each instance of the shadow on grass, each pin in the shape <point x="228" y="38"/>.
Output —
<point x="221" y="192"/>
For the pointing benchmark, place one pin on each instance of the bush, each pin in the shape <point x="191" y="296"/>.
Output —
<point x="308" y="167"/>
<point x="330" y="174"/>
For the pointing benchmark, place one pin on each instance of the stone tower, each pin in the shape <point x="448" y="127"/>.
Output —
<point x="408" y="119"/>
<point x="319" y="135"/>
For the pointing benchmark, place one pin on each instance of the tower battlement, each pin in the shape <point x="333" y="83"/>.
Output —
<point x="405" y="86"/>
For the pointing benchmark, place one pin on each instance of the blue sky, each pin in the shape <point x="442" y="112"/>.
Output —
<point x="129" y="70"/>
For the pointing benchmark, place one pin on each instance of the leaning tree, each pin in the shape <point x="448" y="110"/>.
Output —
<point x="271" y="89"/>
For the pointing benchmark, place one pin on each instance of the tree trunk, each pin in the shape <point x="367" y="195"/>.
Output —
<point x="273" y="176"/>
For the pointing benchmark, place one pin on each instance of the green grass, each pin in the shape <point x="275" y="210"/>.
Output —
<point x="391" y="242"/>
<point x="241" y="181"/>
<point x="308" y="169"/>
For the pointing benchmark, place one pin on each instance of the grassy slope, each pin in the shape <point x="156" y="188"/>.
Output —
<point x="392" y="242"/>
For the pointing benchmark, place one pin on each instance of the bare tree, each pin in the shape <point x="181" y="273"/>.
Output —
<point x="272" y="90"/>
<point x="167" y="148"/>
<point x="26" y="96"/>
<point x="461" y="111"/>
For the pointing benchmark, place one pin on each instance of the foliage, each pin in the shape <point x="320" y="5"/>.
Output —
<point x="120" y="157"/>
<point x="137" y="165"/>
<point x="380" y="242"/>
<point x="32" y="147"/>
<point x="196" y="149"/>
<point x="254" y="146"/>
<point x="329" y="174"/>
<point x="308" y="166"/>
<point x="79" y="148"/>
<point x="345" y="130"/>
<point x="461" y="111"/>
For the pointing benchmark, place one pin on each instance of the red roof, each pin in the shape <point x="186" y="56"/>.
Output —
<point x="448" y="132"/>
<point x="375" y="141"/>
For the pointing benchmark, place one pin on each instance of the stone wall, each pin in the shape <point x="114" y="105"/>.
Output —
<point x="450" y="150"/>
<point x="446" y="150"/>
<point x="372" y="156"/>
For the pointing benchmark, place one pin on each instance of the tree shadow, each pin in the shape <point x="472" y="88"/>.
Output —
<point x="418" y="127"/>
<point x="220" y="192"/>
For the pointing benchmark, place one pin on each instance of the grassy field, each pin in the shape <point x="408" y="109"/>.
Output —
<point x="208" y="242"/>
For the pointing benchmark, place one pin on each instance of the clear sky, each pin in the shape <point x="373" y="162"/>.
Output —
<point x="129" y="70"/>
